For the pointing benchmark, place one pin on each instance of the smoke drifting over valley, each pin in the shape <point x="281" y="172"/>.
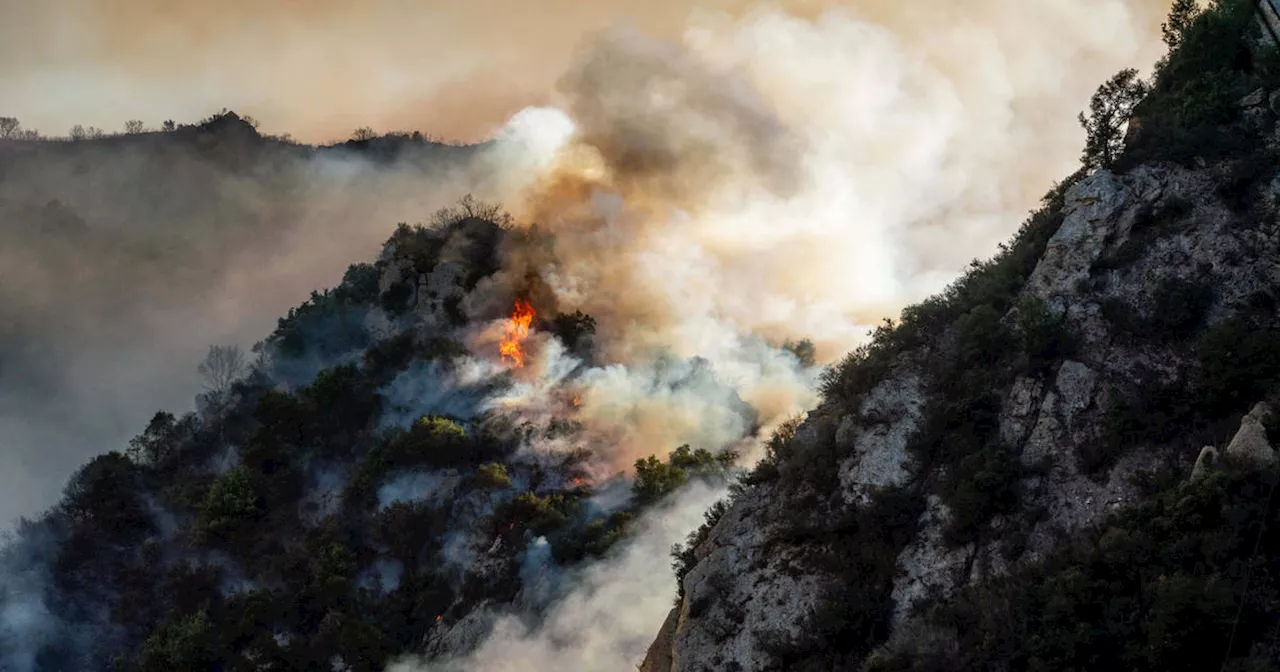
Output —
<point x="717" y="181"/>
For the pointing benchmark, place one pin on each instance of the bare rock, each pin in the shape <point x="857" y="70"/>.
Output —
<point x="889" y="416"/>
<point x="1250" y="442"/>
<point x="658" y="657"/>
<point x="928" y="567"/>
<point x="1208" y="456"/>
<point x="745" y="589"/>
<point x="1254" y="99"/>
<point x="1091" y="209"/>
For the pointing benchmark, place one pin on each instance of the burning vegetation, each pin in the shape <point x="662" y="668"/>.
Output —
<point x="517" y="332"/>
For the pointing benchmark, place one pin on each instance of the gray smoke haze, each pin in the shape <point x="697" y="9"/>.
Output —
<point x="123" y="259"/>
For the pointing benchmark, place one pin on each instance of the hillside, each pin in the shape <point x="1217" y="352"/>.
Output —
<point x="125" y="256"/>
<point x="352" y="494"/>
<point x="1063" y="462"/>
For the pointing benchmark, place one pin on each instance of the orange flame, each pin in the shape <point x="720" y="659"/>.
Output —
<point x="511" y="526"/>
<point x="577" y="400"/>
<point x="517" y="331"/>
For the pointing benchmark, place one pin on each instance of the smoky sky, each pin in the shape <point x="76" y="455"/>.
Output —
<point x="319" y="68"/>
<point x="121" y="261"/>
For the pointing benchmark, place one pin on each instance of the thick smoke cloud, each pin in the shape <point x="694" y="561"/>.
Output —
<point x="781" y="177"/>
<point x="607" y="620"/>
<point x="806" y="178"/>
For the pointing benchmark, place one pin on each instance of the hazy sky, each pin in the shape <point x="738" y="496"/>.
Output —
<point x="319" y="68"/>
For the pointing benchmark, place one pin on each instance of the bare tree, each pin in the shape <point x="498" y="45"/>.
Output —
<point x="363" y="133"/>
<point x="77" y="132"/>
<point x="168" y="125"/>
<point x="93" y="132"/>
<point x="27" y="134"/>
<point x="133" y="126"/>
<point x="9" y="127"/>
<point x="222" y="366"/>
<point x="469" y="207"/>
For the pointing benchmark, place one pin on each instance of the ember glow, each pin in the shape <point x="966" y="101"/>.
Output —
<point x="512" y="348"/>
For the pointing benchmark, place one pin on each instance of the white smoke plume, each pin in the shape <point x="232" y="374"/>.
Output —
<point x="778" y="177"/>
<point x="607" y="620"/>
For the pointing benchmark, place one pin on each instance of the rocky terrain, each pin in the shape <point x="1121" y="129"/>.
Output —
<point x="1129" y="330"/>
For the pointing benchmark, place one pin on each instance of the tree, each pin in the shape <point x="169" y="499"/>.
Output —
<point x="493" y="476"/>
<point x="133" y="126"/>
<point x="93" y="132"/>
<point x="9" y="127"/>
<point x="230" y="501"/>
<point x="803" y="350"/>
<point x="180" y="644"/>
<point x="168" y="125"/>
<point x="221" y="367"/>
<point x="1109" y="111"/>
<point x="1181" y="15"/>
<point x="362" y="134"/>
<point x="77" y="132"/>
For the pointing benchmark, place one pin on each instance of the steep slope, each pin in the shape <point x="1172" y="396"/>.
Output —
<point x="377" y="483"/>
<point x="1001" y="480"/>
<point x="124" y="256"/>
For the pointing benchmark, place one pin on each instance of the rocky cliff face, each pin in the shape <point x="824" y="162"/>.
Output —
<point x="1140" y="272"/>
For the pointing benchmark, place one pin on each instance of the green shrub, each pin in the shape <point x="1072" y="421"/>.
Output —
<point x="1239" y="363"/>
<point x="656" y="479"/>
<point x="684" y="556"/>
<point x="1192" y="109"/>
<point x="983" y="485"/>
<point x="1178" y="311"/>
<point x="231" y="502"/>
<point x="1157" y="587"/>
<point x="493" y="476"/>
<point x="183" y="644"/>
<point x="1044" y="337"/>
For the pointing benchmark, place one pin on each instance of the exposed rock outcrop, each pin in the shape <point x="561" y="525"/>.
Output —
<point x="1250" y="442"/>
<point x="1124" y="240"/>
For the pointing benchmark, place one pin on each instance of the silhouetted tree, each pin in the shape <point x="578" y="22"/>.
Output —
<point x="1109" y="112"/>
<point x="1181" y="15"/>
<point x="221" y="367"/>
<point x="168" y="125"/>
<point x="9" y="127"/>
<point x="77" y="132"/>
<point x="803" y="351"/>
<point x="133" y="126"/>
<point x="363" y="134"/>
